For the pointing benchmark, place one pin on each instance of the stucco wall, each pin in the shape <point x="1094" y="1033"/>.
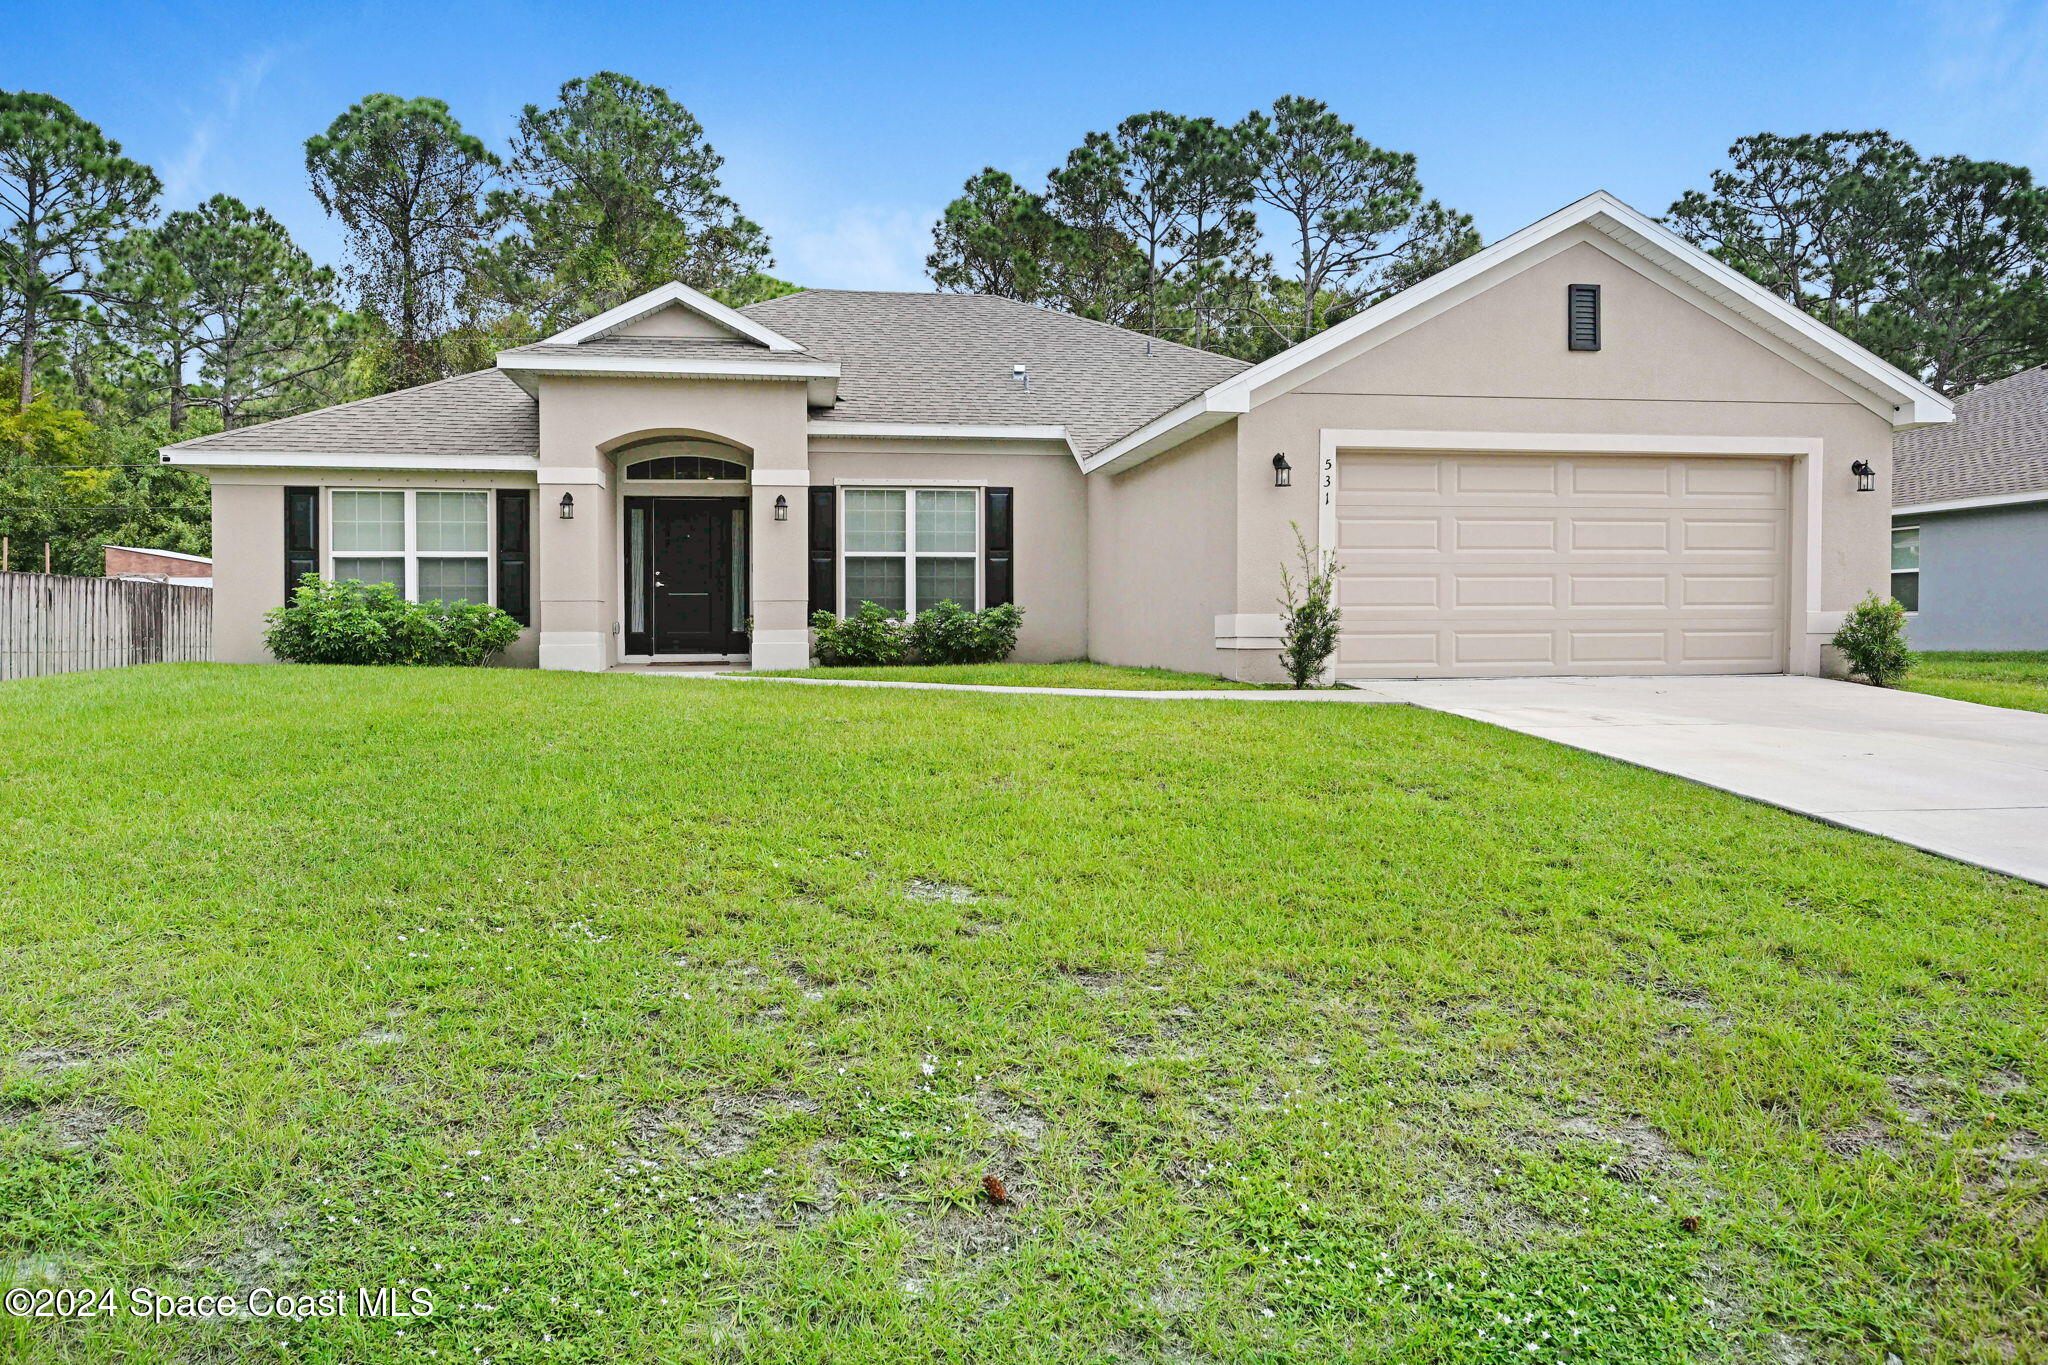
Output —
<point x="1051" y="550"/>
<point x="578" y="573"/>
<point x="1981" y="578"/>
<point x="1163" y="560"/>
<point x="1497" y="361"/>
<point x="248" y="549"/>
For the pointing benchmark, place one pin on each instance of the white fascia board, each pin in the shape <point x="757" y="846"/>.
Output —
<point x="1199" y="414"/>
<point x="513" y="363"/>
<point x="164" y="554"/>
<point x="935" y="431"/>
<point x="667" y="295"/>
<point x="302" y="459"/>
<point x="1968" y="504"/>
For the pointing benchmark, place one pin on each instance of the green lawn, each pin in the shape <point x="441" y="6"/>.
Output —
<point x="2018" y="679"/>
<point x="645" y="1021"/>
<point x="1077" y="674"/>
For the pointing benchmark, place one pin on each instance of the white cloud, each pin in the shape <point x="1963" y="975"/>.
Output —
<point x="185" y="176"/>
<point x="868" y="246"/>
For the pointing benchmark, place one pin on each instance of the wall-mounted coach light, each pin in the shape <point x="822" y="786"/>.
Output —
<point x="568" y="506"/>
<point x="1866" y="477"/>
<point x="1283" y="472"/>
<point x="781" y="507"/>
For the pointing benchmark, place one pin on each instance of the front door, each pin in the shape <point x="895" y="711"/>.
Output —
<point x="686" y="575"/>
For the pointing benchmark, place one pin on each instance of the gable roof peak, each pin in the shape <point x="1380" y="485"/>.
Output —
<point x="674" y="294"/>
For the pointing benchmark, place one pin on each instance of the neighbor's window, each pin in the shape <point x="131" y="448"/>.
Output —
<point x="906" y="549"/>
<point x="1906" y="566"/>
<point x="426" y="544"/>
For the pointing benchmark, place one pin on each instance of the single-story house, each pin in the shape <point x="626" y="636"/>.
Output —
<point x="158" y="566"/>
<point x="1970" y="521"/>
<point x="1590" y="448"/>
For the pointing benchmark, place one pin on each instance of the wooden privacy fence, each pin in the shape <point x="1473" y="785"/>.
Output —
<point x="53" y="623"/>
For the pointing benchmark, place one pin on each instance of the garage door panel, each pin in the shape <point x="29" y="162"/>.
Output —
<point x="1389" y="649"/>
<point x="1619" y="478"/>
<point x="1530" y="648"/>
<point x="1602" y="536"/>
<point x="1367" y="534"/>
<point x="1646" y="647"/>
<point x="1495" y="564"/>
<point x="1389" y="590"/>
<point x="1481" y="477"/>
<point x="1759" y="533"/>
<point x="1618" y="590"/>
<point x="1503" y="533"/>
<point x="1503" y="590"/>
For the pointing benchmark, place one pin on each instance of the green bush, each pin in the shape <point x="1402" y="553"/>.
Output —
<point x="870" y="636"/>
<point x="369" y="623"/>
<point x="948" y="633"/>
<point x="1873" y="641"/>
<point x="1309" y="615"/>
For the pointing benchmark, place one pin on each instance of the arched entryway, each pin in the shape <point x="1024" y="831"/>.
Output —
<point x="684" y="548"/>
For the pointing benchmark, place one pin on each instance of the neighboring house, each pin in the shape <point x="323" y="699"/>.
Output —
<point x="1590" y="448"/>
<point x="1970" y="521"/>
<point x="128" y="561"/>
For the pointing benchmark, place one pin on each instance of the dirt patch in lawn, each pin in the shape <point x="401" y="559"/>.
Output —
<point x="941" y="893"/>
<point x="736" y="1117"/>
<point x="255" y="1254"/>
<point x="1868" y="1136"/>
<point x="81" y="1124"/>
<point x="1015" y="1124"/>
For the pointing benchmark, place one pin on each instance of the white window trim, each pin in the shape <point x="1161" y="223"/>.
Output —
<point x="910" y="553"/>
<point x="1915" y="570"/>
<point x="412" y="554"/>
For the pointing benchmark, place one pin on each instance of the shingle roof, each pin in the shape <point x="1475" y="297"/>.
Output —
<point x="947" y="358"/>
<point x="481" y="413"/>
<point x="914" y="358"/>
<point x="1997" y="444"/>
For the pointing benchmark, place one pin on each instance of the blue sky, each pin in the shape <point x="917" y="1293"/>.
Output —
<point x="847" y="127"/>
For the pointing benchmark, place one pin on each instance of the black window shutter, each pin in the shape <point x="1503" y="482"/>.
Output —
<point x="998" y="572"/>
<point x="1582" y="317"/>
<point x="824" y="550"/>
<point x="515" y="555"/>
<point x="301" y="536"/>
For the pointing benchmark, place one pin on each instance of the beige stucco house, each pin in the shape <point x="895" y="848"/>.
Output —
<point x="1590" y="448"/>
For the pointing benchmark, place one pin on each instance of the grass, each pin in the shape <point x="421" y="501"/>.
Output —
<point x="647" y="1022"/>
<point x="1074" y="674"/>
<point x="2016" y="679"/>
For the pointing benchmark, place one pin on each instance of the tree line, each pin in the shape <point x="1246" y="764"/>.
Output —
<point x="1247" y="238"/>
<point x="125" y="323"/>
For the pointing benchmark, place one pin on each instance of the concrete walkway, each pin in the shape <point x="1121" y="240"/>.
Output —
<point x="1355" y="696"/>
<point x="1968" y="782"/>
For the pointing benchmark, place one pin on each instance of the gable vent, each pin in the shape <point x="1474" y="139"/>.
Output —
<point x="1582" y="317"/>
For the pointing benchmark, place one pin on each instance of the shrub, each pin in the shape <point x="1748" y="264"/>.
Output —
<point x="369" y="623"/>
<point x="870" y="636"/>
<point x="948" y="633"/>
<point x="1309" y="616"/>
<point x="1873" y="640"/>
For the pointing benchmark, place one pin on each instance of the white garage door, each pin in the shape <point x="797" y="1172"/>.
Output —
<point x="1503" y="564"/>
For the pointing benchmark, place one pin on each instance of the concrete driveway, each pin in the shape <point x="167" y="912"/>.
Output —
<point x="1966" y="781"/>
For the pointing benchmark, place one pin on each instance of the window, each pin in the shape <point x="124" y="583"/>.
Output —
<point x="1906" y="566"/>
<point x="686" y="467"/>
<point x="428" y="545"/>
<point x="906" y="549"/>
